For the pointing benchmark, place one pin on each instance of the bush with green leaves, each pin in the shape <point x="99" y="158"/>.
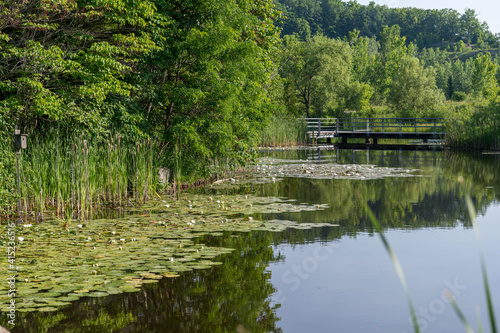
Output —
<point x="459" y="96"/>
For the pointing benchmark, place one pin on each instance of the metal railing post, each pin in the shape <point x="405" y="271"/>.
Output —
<point x="415" y="125"/>
<point x="319" y="126"/>
<point x="367" y="125"/>
<point x="337" y="127"/>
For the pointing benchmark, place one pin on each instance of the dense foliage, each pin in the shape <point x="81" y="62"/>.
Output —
<point x="425" y="27"/>
<point x="402" y="62"/>
<point x="191" y="75"/>
<point x="203" y="81"/>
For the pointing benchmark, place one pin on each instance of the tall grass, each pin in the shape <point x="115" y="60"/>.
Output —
<point x="283" y="131"/>
<point x="75" y="177"/>
<point x="474" y="125"/>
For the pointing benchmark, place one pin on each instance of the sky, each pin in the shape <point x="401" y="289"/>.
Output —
<point x="487" y="10"/>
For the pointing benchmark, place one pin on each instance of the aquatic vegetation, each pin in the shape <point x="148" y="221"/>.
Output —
<point x="298" y="169"/>
<point x="76" y="177"/>
<point x="60" y="261"/>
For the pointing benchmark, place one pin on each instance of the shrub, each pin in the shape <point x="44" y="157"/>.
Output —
<point x="459" y="96"/>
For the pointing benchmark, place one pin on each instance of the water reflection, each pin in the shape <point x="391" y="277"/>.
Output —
<point x="340" y="284"/>
<point x="432" y="199"/>
<point x="234" y="296"/>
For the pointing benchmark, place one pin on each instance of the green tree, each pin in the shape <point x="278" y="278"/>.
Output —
<point x="206" y="87"/>
<point x="470" y="26"/>
<point x="461" y="47"/>
<point x="393" y="49"/>
<point x="461" y="76"/>
<point x="70" y="63"/>
<point x="320" y="71"/>
<point x="483" y="79"/>
<point x="365" y="52"/>
<point x="414" y="91"/>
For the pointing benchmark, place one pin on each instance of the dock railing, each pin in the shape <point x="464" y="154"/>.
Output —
<point x="329" y="127"/>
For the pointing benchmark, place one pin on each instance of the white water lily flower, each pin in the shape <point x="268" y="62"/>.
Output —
<point x="122" y="240"/>
<point x="80" y="225"/>
<point x="113" y="232"/>
<point x="168" y="206"/>
<point x="250" y="218"/>
<point x="20" y="239"/>
<point x="171" y="259"/>
<point x="27" y="225"/>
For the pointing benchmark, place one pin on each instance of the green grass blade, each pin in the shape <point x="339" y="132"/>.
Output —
<point x="459" y="313"/>
<point x="472" y="213"/>
<point x="395" y="262"/>
<point x="479" y="321"/>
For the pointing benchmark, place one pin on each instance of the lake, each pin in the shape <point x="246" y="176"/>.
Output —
<point x="337" y="277"/>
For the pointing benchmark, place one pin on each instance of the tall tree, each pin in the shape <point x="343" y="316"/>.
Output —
<point x="470" y="26"/>
<point x="320" y="71"/>
<point x="483" y="80"/>
<point x="414" y="89"/>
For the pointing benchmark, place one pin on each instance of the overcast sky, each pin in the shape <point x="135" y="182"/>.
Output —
<point x="487" y="10"/>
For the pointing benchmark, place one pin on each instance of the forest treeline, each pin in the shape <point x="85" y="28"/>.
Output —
<point x="110" y="91"/>
<point x="423" y="27"/>
<point x="341" y="56"/>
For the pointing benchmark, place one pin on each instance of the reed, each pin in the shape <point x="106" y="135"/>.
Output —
<point x="283" y="131"/>
<point x="76" y="177"/>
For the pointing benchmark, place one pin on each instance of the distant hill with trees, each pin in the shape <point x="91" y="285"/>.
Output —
<point x="423" y="27"/>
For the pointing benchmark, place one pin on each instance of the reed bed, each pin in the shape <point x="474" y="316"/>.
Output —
<point x="283" y="131"/>
<point x="74" y="178"/>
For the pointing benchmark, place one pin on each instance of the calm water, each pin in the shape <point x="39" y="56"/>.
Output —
<point x="331" y="279"/>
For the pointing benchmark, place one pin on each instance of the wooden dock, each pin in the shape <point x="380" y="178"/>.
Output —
<point x="373" y="129"/>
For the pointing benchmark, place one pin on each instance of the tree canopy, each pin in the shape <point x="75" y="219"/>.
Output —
<point x="424" y="27"/>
